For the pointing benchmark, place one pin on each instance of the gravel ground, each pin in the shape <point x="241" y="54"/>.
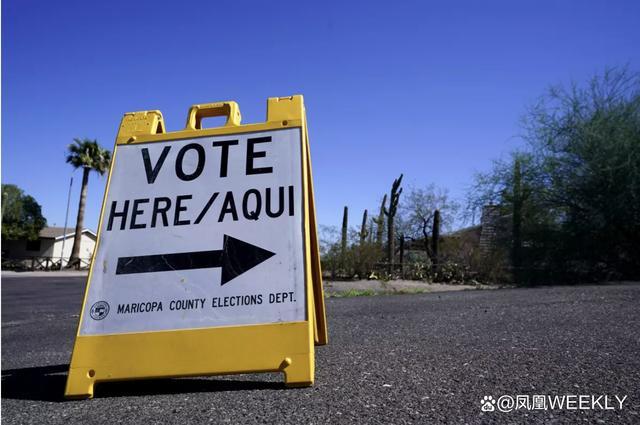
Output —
<point x="427" y="358"/>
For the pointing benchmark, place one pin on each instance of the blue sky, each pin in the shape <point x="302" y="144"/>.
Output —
<point x="430" y="89"/>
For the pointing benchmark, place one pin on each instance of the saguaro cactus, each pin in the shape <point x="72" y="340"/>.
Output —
<point x="363" y="229"/>
<point x="435" y="241"/>
<point x="380" y="222"/>
<point x="402" y="256"/>
<point x="396" y="190"/>
<point x="343" y="243"/>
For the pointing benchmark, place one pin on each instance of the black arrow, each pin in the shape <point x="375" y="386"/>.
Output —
<point x="235" y="258"/>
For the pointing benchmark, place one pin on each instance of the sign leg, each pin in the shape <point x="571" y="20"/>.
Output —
<point x="298" y="371"/>
<point x="80" y="383"/>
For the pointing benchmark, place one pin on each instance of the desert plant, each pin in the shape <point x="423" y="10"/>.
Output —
<point x="345" y="225"/>
<point x="390" y="213"/>
<point x="363" y="228"/>
<point x="435" y="241"/>
<point x="380" y="222"/>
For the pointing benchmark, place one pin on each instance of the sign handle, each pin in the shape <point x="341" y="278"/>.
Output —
<point x="227" y="109"/>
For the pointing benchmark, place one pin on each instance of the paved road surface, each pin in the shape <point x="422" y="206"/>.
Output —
<point x="392" y="359"/>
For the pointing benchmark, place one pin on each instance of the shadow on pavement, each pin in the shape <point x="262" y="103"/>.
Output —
<point x="47" y="383"/>
<point x="44" y="383"/>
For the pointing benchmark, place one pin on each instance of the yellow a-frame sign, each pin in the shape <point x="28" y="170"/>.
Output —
<point x="207" y="257"/>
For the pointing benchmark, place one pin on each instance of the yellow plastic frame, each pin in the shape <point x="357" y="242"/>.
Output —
<point x="284" y="347"/>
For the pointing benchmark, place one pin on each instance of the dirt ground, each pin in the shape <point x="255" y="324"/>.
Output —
<point x="370" y="287"/>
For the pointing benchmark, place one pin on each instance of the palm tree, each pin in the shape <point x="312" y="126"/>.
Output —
<point x="89" y="155"/>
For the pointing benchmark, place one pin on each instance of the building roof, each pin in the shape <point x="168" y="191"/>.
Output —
<point x="59" y="232"/>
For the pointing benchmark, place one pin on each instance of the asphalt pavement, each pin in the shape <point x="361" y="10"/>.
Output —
<point x="422" y="358"/>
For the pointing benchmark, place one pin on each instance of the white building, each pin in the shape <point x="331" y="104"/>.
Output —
<point x="50" y="245"/>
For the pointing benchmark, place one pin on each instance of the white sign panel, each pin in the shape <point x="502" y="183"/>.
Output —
<point x="201" y="233"/>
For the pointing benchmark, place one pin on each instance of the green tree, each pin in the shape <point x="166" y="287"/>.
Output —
<point x="576" y="186"/>
<point x="88" y="155"/>
<point x="21" y="215"/>
<point x="518" y="186"/>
